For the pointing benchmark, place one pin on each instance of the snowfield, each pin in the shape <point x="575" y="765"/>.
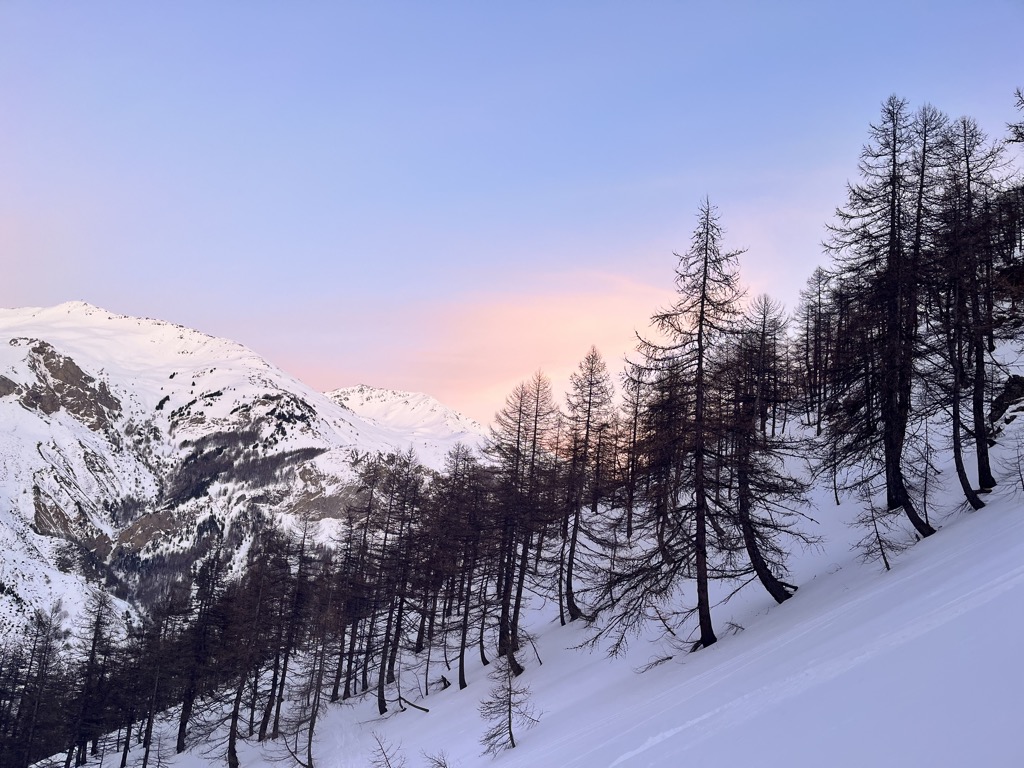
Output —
<point x="429" y="428"/>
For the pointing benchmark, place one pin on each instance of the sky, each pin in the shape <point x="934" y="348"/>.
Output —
<point x="446" y="197"/>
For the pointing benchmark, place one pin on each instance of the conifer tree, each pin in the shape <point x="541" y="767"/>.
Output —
<point x="92" y="689"/>
<point x="878" y="241"/>
<point x="682" y="430"/>
<point x="508" y="707"/>
<point x="590" y="416"/>
<point x="519" y="438"/>
<point x="764" y="500"/>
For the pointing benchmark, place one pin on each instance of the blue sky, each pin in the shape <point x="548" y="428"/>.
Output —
<point x="446" y="196"/>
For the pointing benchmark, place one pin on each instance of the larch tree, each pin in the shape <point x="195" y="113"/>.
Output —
<point x="518" y="445"/>
<point x="705" y="312"/>
<point x="681" y="429"/>
<point x="90" y="697"/>
<point x="814" y="343"/>
<point x="590" y="414"/>
<point x="764" y="500"/>
<point x="972" y="167"/>
<point x="1016" y="130"/>
<point x="878" y="243"/>
<point x="508" y="707"/>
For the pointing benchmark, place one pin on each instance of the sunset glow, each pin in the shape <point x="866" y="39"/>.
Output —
<point x="446" y="199"/>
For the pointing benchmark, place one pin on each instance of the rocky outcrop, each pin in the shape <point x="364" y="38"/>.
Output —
<point x="1012" y="394"/>
<point x="61" y="383"/>
<point x="7" y="387"/>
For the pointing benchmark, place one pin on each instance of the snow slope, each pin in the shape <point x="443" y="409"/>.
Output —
<point x="917" y="666"/>
<point x="920" y="666"/>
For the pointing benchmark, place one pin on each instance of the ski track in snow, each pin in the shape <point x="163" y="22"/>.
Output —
<point x="605" y="735"/>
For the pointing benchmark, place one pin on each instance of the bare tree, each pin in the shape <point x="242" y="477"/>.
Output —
<point x="878" y="242"/>
<point x="387" y="754"/>
<point x="507" y="708"/>
<point x="762" y="499"/>
<point x="703" y="315"/>
<point x="1017" y="129"/>
<point x="590" y="416"/>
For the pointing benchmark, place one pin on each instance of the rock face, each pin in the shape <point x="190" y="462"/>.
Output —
<point x="1008" y="403"/>
<point x="130" y="447"/>
<point x="60" y="383"/>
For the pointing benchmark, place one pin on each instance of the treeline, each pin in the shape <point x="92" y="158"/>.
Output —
<point x="621" y="509"/>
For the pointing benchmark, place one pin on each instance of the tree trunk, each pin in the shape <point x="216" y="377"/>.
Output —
<point x="236" y="708"/>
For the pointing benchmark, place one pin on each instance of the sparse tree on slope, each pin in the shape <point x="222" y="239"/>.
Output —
<point x="590" y="416"/>
<point x="507" y="708"/>
<point x="682" y="430"/>
<point x="707" y="286"/>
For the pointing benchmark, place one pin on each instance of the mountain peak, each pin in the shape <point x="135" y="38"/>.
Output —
<point x="413" y="413"/>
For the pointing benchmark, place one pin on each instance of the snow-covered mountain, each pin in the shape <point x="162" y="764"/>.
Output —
<point x="129" y="446"/>
<point x="430" y="428"/>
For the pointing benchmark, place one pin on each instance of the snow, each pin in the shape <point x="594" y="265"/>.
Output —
<point x="862" y="667"/>
<point x="428" y="427"/>
<point x="915" y="667"/>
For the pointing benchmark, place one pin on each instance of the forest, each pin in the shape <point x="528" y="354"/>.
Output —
<point x="636" y="501"/>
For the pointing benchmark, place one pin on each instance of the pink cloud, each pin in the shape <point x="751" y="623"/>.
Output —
<point x="471" y="352"/>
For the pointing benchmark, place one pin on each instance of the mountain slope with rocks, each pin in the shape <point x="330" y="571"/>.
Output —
<point x="132" y="446"/>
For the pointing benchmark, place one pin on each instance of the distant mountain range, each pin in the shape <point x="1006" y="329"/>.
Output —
<point x="131" y="446"/>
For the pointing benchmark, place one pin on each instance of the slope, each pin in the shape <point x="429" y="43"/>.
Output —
<point x="915" y="666"/>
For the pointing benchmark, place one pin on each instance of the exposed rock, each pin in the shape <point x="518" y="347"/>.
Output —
<point x="62" y="384"/>
<point x="50" y="519"/>
<point x="42" y="399"/>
